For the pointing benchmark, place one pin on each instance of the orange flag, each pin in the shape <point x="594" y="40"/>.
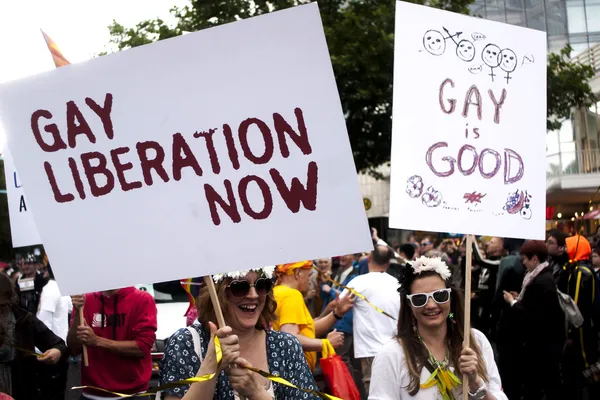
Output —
<point x="57" y="56"/>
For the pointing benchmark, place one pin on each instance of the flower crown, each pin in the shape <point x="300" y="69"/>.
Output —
<point x="420" y="265"/>
<point x="266" y="272"/>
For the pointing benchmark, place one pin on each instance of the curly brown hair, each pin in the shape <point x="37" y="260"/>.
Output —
<point x="206" y="311"/>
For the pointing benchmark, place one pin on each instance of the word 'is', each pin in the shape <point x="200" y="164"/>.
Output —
<point x="152" y="156"/>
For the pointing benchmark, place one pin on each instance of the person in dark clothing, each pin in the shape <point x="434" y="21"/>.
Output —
<point x="578" y="281"/>
<point x="20" y="333"/>
<point x="539" y="322"/>
<point x="484" y="276"/>
<point x="508" y="339"/>
<point x="406" y="253"/>
<point x="557" y="252"/>
<point x="30" y="284"/>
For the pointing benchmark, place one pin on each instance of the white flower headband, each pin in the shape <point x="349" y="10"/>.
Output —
<point x="267" y="272"/>
<point x="434" y="264"/>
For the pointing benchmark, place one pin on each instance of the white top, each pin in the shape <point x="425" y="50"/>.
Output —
<point x="54" y="310"/>
<point x="381" y="289"/>
<point x="390" y="377"/>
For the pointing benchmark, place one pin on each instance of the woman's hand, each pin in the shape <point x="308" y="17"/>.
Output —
<point x="51" y="356"/>
<point x="508" y="297"/>
<point x="244" y="381"/>
<point x="230" y="345"/>
<point x="468" y="366"/>
<point x="336" y="338"/>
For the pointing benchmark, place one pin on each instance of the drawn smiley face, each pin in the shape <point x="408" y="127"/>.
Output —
<point x="507" y="60"/>
<point x="490" y="54"/>
<point x="465" y="50"/>
<point x="434" y="42"/>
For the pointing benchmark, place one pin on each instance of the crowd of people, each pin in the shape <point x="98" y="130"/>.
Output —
<point x="394" y="315"/>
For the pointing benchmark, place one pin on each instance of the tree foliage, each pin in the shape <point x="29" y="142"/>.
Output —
<point x="360" y="37"/>
<point x="568" y="86"/>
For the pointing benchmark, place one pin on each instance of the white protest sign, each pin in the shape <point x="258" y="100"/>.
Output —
<point x="469" y="125"/>
<point x="221" y="150"/>
<point x="22" y="226"/>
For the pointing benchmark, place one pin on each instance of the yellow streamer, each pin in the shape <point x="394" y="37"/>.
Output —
<point x="31" y="353"/>
<point x="445" y="380"/>
<point x="204" y="378"/>
<point x="359" y="295"/>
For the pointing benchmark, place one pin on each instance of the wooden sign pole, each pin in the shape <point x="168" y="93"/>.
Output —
<point x="467" y="316"/>
<point x="82" y="323"/>
<point x="212" y="291"/>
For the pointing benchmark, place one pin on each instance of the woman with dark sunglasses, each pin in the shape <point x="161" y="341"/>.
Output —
<point x="246" y="298"/>
<point x="427" y="360"/>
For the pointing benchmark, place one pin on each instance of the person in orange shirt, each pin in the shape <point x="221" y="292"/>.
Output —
<point x="292" y="315"/>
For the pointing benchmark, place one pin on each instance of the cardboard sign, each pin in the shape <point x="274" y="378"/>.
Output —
<point x="469" y="125"/>
<point x="22" y="226"/>
<point x="220" y="150"/>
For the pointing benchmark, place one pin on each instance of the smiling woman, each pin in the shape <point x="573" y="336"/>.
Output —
<point x="248" y="306"/>
<point x="427" y="359"/>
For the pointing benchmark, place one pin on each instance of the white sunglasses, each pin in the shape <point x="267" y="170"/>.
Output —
<point x="419" y="300"/>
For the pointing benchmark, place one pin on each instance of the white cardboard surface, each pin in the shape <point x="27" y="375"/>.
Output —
<point x="22" y="226"/>
<point x="428" y="53"/>
<point x="275" y="63"/>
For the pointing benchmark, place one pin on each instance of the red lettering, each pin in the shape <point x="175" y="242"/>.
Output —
<point x="103" y="112"/>
<point x="212" y="197"/>
<point x="267" y="139"/>
<point x="496" y="168"/>
<point x="231" y="150"/>
<point x="429" y="156"/>
<point x="57" y="143"/>
<point x="77" y="125"/>
<point x="497" y="104"/>
<point x="266" y="195"/>
<point x="58" y="196"/>
<point x="189" y="159"/>
<point x="441" y="97"/>
<point x="77" y="178"/>
<point x="300" y="139"/>
<point x="92" y="170"/>
<point x="475" y="159"/>
<point x="155" y="163"/>
<point x="120" y="168"/>
<point x="297" y="193"/>
<point x="210" y="147"/>
<point x="473" y="91"/>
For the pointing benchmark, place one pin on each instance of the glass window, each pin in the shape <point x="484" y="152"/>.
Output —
<point x="515" y="12"/>
<point x="495" y="10"/>
<point x="592" y="8"/>
<point x="576" y="16"/>
<point x="556" y="17"/>
<point x="536" y="14"/>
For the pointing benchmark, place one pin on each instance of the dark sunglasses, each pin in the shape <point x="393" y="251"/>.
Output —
<point x="420" y="299"/>
<point x="242" y="288"/>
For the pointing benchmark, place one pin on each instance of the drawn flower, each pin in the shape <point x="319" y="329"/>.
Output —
<point x="431" y="197"/>
<point x="414" y="186"/>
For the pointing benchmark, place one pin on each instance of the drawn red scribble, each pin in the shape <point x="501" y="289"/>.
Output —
<point x="473" y="197"/>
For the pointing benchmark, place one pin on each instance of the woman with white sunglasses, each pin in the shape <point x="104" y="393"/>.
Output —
<point x="426" y="361"/>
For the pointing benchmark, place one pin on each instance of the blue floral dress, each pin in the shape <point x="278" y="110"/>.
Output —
<point x="284" y="355"/>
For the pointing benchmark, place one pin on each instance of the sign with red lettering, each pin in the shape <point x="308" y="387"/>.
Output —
<point x="469" y="125"/>
<point x="220" y="150"/>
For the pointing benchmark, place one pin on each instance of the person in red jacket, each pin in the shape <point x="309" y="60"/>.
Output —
<point x="119" y="333"/>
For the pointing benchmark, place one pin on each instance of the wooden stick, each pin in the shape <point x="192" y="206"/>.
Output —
<point x="467" y="316"/>
<point x="82" y="323"/>
<point x="212" y="291"/>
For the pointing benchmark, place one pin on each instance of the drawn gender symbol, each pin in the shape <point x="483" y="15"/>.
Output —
<point x="508" y="62"/>
<point x="434" y="42"/>
<point x="465" y="50"/>
<point x="490" y="56"/>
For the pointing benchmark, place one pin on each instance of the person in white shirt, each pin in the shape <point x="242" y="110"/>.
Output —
<point x="426" y="360"/>
<point x="371" y="328"/>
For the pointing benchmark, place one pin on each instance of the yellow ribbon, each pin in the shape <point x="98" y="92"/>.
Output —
<point x="445" y="380"/>
<point x="359" y="295"/>
<point x="204" y="378"/>
<point x="29" y="352"/>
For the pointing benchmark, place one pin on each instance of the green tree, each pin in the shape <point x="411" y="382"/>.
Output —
<point x="360" y="37"/>
<point x="568" y="86"/>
